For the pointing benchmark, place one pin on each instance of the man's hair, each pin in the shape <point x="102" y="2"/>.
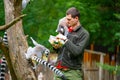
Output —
<point x="74" y="12"/>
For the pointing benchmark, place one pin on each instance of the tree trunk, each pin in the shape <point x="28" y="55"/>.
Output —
<point x="17" y="42"/>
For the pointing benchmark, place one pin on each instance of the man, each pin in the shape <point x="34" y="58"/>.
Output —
<point x="70" y="55"/>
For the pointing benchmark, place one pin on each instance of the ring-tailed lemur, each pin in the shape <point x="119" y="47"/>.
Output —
<point x="3" y="68"/>
<point x="38" y="50"/>
<point x="46" y="64"/>
<point x="35" y="54"/>
<point x="62" y="27"/>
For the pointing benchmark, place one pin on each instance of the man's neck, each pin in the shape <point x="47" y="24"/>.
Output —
<point x="78" y="24"/>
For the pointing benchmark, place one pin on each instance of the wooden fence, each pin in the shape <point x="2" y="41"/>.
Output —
<point x="91" y="70"/>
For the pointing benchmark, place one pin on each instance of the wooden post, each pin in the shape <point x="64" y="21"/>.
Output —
<point x="100" y="68"/>
<point x="117" y="77"/>
<point x="101" y="61"/>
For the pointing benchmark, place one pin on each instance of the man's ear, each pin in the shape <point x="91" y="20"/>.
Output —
<point x="76" y="17"/>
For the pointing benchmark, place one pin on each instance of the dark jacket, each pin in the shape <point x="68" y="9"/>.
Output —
<point x="71" y="54"/>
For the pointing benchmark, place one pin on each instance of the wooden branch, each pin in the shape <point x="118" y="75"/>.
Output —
<point x="4" y="27"/>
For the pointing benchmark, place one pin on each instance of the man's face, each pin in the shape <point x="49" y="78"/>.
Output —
<point x="71" y="21"/>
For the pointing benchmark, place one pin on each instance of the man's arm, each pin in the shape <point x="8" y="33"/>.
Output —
<point x="77" y="48"/>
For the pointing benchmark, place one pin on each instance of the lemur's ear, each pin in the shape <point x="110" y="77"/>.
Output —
<point x="34" y="42"/>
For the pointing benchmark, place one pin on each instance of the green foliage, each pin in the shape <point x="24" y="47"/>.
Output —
<point x="117" y="37"/>
<point x="2" y="19"/>
<point x="100" y="17"/>
<point x="117" y="15"/>
<point x="104" y="15"/>
<point x="117" y="34"/>
<point x="112" y="69"/>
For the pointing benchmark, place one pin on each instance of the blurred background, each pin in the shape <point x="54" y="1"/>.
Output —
<point x="100" y="17"/>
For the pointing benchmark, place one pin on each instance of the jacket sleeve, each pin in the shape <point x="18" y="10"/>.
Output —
<point x="78" y="48"/>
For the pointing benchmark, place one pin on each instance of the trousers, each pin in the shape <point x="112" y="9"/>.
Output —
<point x="71" y="75"/>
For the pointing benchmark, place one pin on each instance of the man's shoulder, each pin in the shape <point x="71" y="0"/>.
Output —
<point x="84" y="30"/>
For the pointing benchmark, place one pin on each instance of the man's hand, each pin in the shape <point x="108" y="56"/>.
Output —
<point x="61" y="36"/>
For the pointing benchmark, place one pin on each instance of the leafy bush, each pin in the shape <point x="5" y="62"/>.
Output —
<point x="112" y="69"/>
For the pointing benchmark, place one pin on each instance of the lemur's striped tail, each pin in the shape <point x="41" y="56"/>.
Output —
<point x="54" y="69"/>
<point x="5" y="39"/>
<point x="3" y="69"/>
